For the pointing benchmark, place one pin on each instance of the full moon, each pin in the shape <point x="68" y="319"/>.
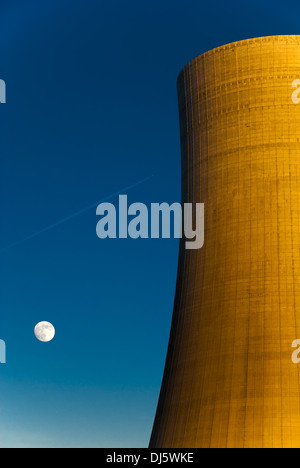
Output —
<point x="44" y="331"/>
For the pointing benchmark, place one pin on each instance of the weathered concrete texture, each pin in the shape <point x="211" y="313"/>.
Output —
<point x="229" y="379"/>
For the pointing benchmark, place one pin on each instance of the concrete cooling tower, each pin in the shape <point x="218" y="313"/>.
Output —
<point x="230" y="380"/>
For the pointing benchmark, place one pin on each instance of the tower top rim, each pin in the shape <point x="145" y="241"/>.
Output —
<point x="262" y="39"/>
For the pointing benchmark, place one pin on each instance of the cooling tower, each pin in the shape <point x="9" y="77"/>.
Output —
<point x="229" y="380"/>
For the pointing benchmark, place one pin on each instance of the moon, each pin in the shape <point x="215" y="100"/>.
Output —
<point x="44" y="331"/>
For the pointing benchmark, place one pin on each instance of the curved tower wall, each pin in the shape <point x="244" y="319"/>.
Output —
<point x="229" y="379"/>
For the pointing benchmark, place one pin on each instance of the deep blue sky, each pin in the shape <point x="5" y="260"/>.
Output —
<point x="92" y="108"/>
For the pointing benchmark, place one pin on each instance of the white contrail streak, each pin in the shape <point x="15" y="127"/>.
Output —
<point x="74" y="215"/>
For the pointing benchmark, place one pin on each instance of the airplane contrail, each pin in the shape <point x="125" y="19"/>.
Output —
<point x="74" y="215"/>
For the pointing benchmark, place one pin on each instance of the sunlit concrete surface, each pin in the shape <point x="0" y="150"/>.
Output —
<point x="230" y="380"/>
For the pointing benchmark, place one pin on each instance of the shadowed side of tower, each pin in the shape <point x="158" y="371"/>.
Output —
<point x="229" y="379"/>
